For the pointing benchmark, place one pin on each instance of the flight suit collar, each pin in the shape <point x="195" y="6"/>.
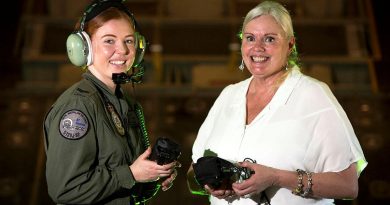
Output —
<point x="89" y="76"/>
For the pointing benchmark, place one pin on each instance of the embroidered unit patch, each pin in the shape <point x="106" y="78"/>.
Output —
<point x="74" y="125"/>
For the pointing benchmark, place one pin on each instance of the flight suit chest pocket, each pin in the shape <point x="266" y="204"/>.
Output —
<point x="132" y="119"/>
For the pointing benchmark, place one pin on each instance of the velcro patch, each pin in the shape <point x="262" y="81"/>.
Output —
<point x="74" y="125"/>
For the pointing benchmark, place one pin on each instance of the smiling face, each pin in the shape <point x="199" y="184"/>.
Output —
<point x="113" y="46"/>
<point x="265" y="47"/>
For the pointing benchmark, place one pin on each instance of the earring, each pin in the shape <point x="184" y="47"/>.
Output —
<point x="242" y="65"/>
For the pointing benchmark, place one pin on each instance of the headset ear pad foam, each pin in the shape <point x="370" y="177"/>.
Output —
<point x="79" y="48"/>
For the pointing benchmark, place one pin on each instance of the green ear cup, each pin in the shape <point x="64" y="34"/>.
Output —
<point x="78" y="47"/>
<point x="75" y="48"/>
<point x="140" y="50"/>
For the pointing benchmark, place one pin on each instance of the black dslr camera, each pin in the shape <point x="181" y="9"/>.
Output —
<point x="165" y="151"/>
<point x="215" y="172"/>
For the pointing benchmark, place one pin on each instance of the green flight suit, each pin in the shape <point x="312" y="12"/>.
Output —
<point x="87" y="158"/>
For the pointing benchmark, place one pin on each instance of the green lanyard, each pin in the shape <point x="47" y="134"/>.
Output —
<point x="118" y="121"/>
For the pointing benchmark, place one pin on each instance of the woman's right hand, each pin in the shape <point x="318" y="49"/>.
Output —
<point x="145" y="170"/>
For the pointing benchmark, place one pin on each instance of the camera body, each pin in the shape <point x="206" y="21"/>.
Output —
<point x="217" y="172"/>
<point x="165" y="151"/>
<point x="237" y="173"/>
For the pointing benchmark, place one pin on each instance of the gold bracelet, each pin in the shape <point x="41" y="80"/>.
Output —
<point x="299" y="189"/>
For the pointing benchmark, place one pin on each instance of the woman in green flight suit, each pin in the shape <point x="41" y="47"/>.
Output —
<point x="95" y="139"/>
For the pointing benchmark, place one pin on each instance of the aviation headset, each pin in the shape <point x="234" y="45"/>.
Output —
<point x="78" y="44"/>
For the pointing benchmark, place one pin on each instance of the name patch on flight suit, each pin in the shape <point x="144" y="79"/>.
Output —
<point x="74" y="125"/>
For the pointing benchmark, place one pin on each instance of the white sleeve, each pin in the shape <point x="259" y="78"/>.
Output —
<point x="334" y="146"/>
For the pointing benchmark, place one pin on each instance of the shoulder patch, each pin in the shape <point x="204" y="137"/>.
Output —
<point x="73" y="125"/>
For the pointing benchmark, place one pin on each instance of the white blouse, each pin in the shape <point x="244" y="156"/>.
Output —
<point x="303" y="127"/>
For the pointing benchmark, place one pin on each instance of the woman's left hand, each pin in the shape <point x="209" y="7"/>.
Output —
<point x="262" y="178"/>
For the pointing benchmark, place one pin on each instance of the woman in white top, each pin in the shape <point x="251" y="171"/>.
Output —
<point x="303" y="146"/>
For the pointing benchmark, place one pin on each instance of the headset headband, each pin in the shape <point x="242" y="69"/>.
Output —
<point x="99" y="6"/>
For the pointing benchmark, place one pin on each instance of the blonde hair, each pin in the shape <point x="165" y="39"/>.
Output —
<point x="282" y="17"/>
